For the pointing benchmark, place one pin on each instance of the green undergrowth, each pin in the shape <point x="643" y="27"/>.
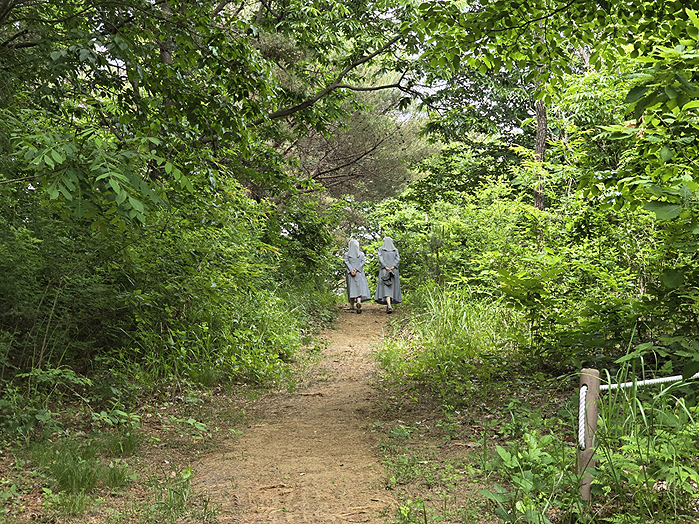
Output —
<point x="118" y="445"/>
<point x="431" y="481"/>
<point x="124" y="463"/>
<point x="472" y="434"/>
<point x="119" y="467"/>
<point x="440" y="457"/>
<point x="646" y="446"/>
<point x="452" y="343"/>
<point x="258" y="339"/>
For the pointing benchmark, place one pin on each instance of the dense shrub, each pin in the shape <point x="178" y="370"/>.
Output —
<point x="567" y="270"/>
<point x="198" y="294"/>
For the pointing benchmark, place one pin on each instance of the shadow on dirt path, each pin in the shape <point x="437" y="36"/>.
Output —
<point x="311" y="456"/>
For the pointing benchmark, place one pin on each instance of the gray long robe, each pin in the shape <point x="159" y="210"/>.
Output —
<point x="388" y="257"/>
<point x="357" y="286"/>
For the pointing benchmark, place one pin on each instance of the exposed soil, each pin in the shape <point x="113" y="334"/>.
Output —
<point x="310" y="456"/>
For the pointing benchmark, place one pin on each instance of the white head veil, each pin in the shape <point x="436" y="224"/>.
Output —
<point x="353" y="250"/>
<point x="388" y="244"/>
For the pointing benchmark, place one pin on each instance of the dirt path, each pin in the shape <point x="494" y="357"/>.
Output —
<point x="312" y="457"/>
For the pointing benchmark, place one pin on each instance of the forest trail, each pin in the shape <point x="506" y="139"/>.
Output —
<point x="310" y="457"/>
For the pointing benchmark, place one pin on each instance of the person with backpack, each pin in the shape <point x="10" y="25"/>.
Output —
<point x="388" y="286"/>
<point x="357" y="287"/>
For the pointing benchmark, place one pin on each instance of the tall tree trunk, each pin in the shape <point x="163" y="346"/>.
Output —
<point x="540" y="150"/>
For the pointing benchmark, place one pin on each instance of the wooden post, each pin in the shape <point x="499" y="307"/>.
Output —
<point x="589" y="378"/>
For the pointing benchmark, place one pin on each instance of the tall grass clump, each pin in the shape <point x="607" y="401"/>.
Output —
<point x="74" y="467"/>
<point x="647" y="445"/>
<point x="454" y="338"/>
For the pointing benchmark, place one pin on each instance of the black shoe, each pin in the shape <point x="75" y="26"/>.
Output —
<point x="359" y="308"/>
<point x="389" y="309"/>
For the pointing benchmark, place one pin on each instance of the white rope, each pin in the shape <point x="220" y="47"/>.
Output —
<point x="582" y="406"/>
<point x="648" y="382"/>
<point x="581" y="417"/>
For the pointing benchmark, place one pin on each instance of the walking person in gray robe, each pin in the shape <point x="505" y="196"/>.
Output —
<point x="357" y="287"/>
<point x="388" y="287"/>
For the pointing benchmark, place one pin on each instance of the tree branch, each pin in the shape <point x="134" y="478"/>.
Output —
<point x="331" y="87"/>
<point x="5" y="7"/>
<point x="324" y="175"/>
<point x="222" y="5"/>
<point x="17" y="35"/>
<point x="219" y="7"/>
<point x="332" y="149"/>
<point x="21" y="46"/>
<point x="376" y="88"/>
<point x="527" y="23"/>
<point x="23" y="179"/>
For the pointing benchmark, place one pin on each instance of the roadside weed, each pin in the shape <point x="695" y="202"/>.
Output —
<point x="453" y="344"/>
<point x="116" y="474"/>
<point x="647" y="445"/>
<point x="73" y="471"/>
<point x="67" y="504"/>
<point x="122" y="443"/>
<point x="73" y="466"/>
<point x="427" y="472"/>
<point x="540" y="473"/>
<point x="175" y="499"/>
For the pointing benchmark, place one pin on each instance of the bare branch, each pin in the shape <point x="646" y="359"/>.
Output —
<point x="219" y="7"/>
<point x="326" y="155"/>
<point x="324" y="175"/>
<point x="222" y="5"/>
<point x="375" y="88"/>
<point x="5" y="7"/>
<point x="23" y="179"/>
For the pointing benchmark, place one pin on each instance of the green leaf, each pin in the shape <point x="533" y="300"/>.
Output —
<point x="672" y="278"/>
<point x="52" y="191"/>
<point x="58" y="157"/>
<point x="690" y="369"/>
<point x="496" y="497"/>
<point x="635" y="94"/>
<point x="669" y="419"/>
<point x="690" y="105"/>
<point x="642" y="104"/>
<point x="64" y="191"/>
<point x="663" y="210"/>
<point x="505" y="455"/>
<point x="665" y="153"/>
<point x="136" y="204"/>
<point x="682" y="80"/>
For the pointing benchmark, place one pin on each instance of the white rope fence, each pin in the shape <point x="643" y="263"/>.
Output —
<point x="602" y="387"/>
<point x="648" y="382"/>
<point x="581" y="417"/>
